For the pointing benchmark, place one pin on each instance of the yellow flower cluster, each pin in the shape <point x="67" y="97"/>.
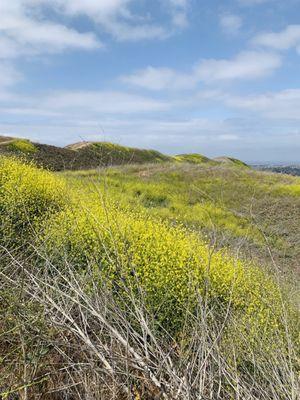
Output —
<point x="27" y="195"/>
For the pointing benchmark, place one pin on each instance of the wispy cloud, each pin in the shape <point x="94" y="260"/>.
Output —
<point x="230" y="23"/>
<point x="117" y="18"/>
<point x="160" y="79"/>
<point x="178" y="9"/>
<point x="283" y="40"/>
<point x="254" y="2"/>
<point x="244" y="66"/>
<point x="284" y="104"/>
<point x="105" y="102"/>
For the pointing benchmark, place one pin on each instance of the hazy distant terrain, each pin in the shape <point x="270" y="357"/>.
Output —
<point x="280" y="169"/>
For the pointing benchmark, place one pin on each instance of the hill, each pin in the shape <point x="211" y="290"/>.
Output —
<point x="236" y="207"/>
<point x="105" y="153"/>
<point x="88" y="155"/>
<point x="230" y="161"/>
<point x="193" y="158"/>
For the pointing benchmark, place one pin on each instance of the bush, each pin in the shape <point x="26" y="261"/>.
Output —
<point x="27" y="195"/>
<point x="22" y="146"/>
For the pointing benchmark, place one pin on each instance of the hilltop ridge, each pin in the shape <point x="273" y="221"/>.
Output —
<point x="89" y="154"/>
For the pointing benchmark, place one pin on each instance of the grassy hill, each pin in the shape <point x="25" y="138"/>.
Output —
<point x="87" y="155"/>
<point x="230" y="161"/>
<point x="161" y="280"/>
<point x="236" y="207"/>
<point x="192" y="158"/>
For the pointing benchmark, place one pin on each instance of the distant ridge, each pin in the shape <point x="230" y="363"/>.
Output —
<point x="4" y="139"/>
<point x="89" y="155"/>
<point x="192" y="158"/>
<point x="230" y="161"/>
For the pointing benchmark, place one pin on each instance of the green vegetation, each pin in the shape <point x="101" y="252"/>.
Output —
<point x="22" y="146"/>
<point x="192" y="158"/>
<point x="113" y="154"/>
<point x="147" y="253"/>
<point x="230" y="161"/>
<point x="233" y="207"/>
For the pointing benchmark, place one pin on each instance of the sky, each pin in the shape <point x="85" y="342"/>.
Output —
<point x="217" y="77"/>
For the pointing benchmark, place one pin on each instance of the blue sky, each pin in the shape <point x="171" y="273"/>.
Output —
<point x="215" y="77"/>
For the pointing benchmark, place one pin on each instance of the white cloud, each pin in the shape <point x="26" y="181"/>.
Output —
<point x="231" y="23"/>
<point x="92" y="8"/>
<point x="246" y="65"/>
<point x="283" y="104"/>
<point x="117" y="18"/>
<point x="160" y="78"/>
<point x="114" y="16"/>
<point x="26" y="29"/>
<point x="100" y="102"/>
<point x="284" y="40"/>
<point x="178" y="9"/>
<point x="280" y="105"/>
<point x="23" y="32"/>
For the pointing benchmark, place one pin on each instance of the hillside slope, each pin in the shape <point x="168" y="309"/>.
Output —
<point x="252" y="212"/>
<point x="145" y="268"/>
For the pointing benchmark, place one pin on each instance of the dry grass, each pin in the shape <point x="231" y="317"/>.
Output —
<point x="73" y="338"/>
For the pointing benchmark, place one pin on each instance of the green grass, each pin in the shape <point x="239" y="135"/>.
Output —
<point x="192" y="158"/>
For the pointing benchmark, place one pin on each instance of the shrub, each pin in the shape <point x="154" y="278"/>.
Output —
<point x="27" y="195"/>
<point x="23" y="146"/>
